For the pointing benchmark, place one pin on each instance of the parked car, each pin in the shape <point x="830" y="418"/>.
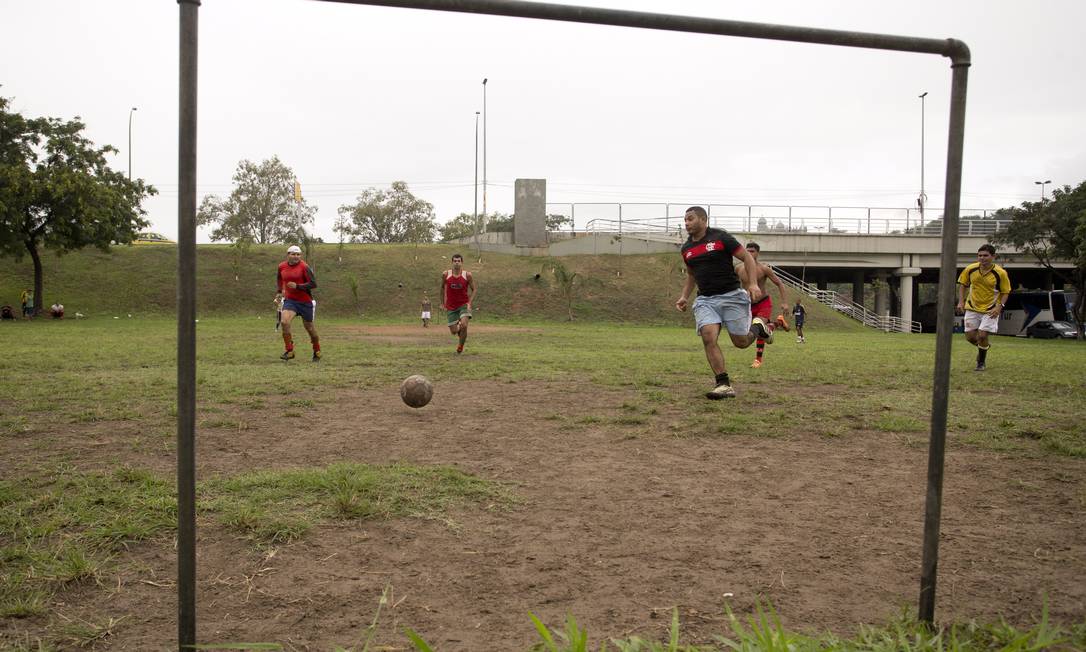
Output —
<point x="1047" y="330"/>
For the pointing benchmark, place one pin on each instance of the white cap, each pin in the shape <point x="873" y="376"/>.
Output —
<point x="294" y="249"/>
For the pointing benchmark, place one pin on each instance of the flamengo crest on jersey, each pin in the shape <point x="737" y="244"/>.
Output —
<point x="703" y="248"/>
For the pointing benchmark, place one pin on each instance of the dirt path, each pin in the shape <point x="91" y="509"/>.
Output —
<point x="616" y="525"/>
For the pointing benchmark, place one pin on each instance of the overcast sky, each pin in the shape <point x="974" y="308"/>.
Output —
<point x="352" y="97"/>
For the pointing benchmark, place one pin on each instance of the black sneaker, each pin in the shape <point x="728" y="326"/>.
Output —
<point x="980" y="367"/>
<point x="316" y="356"/>
<point x="759" y="328"/>
<point x="287" y="355"/>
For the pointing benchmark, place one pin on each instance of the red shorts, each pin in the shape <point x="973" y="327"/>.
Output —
<point x="763" y="309"/>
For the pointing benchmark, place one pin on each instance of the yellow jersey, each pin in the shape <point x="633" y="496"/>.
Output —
<point x="984" y="287"/>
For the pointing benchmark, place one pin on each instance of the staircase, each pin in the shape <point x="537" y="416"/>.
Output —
<point x="848" y="307"/>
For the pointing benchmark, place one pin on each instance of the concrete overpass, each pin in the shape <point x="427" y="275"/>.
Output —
<point x="892" y="252"/>
<point x="892" y="266"/>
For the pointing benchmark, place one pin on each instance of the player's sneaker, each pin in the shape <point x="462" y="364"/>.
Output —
<point x="316" y="356"/>
<point x="287" y="355"/>
<point x="720" y="391"/>
<point x="459" y="348"/>
<point x="980" y="367"/>
<point x="759" y="327"/>
<point x="782" y="323"/>
<point x="757" y="363"/>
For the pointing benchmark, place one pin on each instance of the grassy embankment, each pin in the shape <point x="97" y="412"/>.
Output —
<point x="390" y="282"/>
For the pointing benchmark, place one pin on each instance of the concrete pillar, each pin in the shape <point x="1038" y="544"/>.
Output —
<point x="906" y="275"/>
<point x="529" y="217"/>
<point x="822" y="281"/>
<point x="858" y="287"/>
<point x="882" y="293"/>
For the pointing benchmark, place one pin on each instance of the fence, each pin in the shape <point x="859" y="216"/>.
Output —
<point x="667" y="218"/>
<point x="848" y="307"/>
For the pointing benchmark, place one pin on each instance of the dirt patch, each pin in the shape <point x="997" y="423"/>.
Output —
<point x="621" y="518"/>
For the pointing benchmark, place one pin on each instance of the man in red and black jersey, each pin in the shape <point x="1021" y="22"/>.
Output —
<point x="294" y="283"/>
<point x="721" y="299"/>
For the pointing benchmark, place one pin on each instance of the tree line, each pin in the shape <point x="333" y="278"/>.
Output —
<point x="57" y="192"/>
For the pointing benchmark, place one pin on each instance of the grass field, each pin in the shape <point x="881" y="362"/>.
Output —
<point x="528" y="433"/>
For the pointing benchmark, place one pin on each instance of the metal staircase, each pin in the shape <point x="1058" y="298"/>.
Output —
<point x="847" y="307"/>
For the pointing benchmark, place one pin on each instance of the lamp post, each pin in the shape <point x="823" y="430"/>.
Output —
<point x="130" y="142"/>
<point x="475" y="210"/>
<point x="1042" y="184"/>
<point x="923" y="198"/>
<point x="484" y="154"/>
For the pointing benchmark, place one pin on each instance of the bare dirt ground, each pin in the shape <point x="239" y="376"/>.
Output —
<point x="616" y="524"/>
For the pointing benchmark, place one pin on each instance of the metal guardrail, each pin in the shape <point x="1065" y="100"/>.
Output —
<point x="753" y="218"/>
<point x="849" y="307"/>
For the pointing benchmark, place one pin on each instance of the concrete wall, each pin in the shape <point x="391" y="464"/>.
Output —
<point x="530" y="213"/>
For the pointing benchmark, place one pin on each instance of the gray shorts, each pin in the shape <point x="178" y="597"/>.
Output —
<point x="732" y="309"/>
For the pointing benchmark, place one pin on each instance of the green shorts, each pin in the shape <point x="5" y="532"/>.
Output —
<point x="455" y="315"/>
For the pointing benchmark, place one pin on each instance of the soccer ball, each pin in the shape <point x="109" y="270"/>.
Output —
<point x="416" y="391"/>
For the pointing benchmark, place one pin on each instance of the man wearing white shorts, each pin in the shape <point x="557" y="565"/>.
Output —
<point x="983" y="287"/>
<point x="426" y="311"/>
<point x="721" y="300"/>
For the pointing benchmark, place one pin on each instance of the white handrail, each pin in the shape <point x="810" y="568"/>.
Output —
<point x="849" y="307"/>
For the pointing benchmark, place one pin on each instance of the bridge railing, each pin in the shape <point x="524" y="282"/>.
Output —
<point x="753" y="219"/>
<point x="848" y="307"/>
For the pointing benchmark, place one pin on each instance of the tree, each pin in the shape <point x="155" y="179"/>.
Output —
<point x="390" y="216"/>
<point x="461" y="226"/>
<point x="57" y="192"/>
<point x="567" y="284"/>
<point x="261" y="207"/>
<point x="1053" y="229"/>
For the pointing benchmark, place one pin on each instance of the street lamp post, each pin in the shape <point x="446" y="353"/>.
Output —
<point x="130" y="142"/>
<point x="1042" y="184"/>
<point x="484" y="154"/>
<point x="923" y="198"/>
<point x="475" y="210"/>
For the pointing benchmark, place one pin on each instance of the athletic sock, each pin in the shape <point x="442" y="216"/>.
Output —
<point x="761" y="349"/>
<point x="316" y="345"/>
<point x="289" y="341"/>
<point x="982" y="354"/>
<point x="722" y="379"/>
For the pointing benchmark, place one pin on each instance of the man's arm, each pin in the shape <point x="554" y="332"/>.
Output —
<point x="688" y="287"/>
<point x="278" y="283"/>
<point x="471" y="289"/>
<point x="961" y="298"/>
<point x="441" y="292"/>
<point x="780" y="286"/>
<point x="752" y="283"/>
<point x="311" y="283"/>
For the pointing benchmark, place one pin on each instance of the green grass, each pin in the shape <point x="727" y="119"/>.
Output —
<point x="63" y="526"/>
<point x="391" y="281"/>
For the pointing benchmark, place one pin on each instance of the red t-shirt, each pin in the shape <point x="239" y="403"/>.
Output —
<point x="456" y="289"/>
<point x="300" y="274"/>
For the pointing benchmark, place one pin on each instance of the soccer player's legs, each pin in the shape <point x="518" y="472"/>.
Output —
<point x="762" y="309"/>
<point x="314" y="339"/>
<point x="288" y="339"/>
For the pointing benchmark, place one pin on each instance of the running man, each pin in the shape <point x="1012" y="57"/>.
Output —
<point x="294" y="283"/>
<point x="799" y="315"/>
<point x="763" y="307"/>
<point x="708" y="256"/>
<point x="426" y="311"/>
<point x="988" y="286"/>
<point x="457" y="292"/>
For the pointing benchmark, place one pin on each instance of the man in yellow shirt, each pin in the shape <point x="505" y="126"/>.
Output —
<point x="983" y="287"/>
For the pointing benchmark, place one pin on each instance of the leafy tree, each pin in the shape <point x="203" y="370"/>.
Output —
<point x="57" y="191"/>
<point x="1053" y="229"/>
<point x="388" y="216"/>
<point x="261" y="207"/>
<point x="461" y="226"/>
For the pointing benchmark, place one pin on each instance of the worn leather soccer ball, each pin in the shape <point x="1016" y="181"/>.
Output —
<point x="416" y="391"/>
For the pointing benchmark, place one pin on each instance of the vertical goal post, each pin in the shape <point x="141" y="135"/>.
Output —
<point x="953" y="49"/>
